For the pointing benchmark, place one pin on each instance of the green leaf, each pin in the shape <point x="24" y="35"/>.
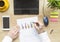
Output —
<point x="54" y="3"/>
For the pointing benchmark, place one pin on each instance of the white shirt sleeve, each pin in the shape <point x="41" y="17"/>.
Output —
<point x="44" y="37"/>
<point x="7" y="39"/>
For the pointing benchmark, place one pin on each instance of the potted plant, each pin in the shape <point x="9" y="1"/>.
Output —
<point x="55" y="6"/>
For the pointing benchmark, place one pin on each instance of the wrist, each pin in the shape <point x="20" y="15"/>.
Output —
<point x="11" y="35"/>
<point x="41" y="30"/>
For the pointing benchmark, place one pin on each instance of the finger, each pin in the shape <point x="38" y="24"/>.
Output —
<point x="40" y="25"/>
<point x="15" y="32"/>
<point x="17" y="35"/>
<point x="36" y="26"/>
<point x="18" y="27"/>
<point x="36" y="23"/>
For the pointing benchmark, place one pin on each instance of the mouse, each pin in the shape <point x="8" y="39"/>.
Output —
<point x="46" y="21"/>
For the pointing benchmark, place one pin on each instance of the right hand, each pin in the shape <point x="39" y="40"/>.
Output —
<point x="39" y="27"/>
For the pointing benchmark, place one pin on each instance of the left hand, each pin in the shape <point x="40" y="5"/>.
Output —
<point x="13" y="33"/>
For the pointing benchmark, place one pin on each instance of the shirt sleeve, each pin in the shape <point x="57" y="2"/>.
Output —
<point x="7" y="39"/>
<point x="44" y="37"/>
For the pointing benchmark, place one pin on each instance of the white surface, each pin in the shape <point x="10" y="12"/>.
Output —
<point x="29" y="35"/>
<point x="28" y="32"/>
<point x="28" y="21"/>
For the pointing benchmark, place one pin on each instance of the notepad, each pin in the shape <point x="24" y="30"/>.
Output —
<point x="24" y="21"/>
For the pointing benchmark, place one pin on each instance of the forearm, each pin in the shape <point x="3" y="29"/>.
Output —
<point x="44" y="37"/>
<point x="7" y="39"/>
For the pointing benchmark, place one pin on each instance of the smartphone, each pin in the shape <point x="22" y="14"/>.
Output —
<point x="6" y="22"/>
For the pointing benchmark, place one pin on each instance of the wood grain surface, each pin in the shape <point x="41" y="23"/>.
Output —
<point x="54" y="36"/>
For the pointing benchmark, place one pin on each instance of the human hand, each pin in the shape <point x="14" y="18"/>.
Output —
<point x="13" y="33"/>
<point x="39" y="27"/>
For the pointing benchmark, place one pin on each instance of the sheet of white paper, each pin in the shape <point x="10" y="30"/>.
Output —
<point x="21" y="22"/>
<point x="24" y="21"/>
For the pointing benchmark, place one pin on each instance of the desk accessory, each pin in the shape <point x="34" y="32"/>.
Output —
<point x="45" y="18"/>
<point x="26" y="7"/>
<point x="5" y="22"/>
<point x="4" y="5"/>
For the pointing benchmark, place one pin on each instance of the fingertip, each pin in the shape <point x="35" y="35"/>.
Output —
<point x="37" y="24"/>
<point x="17" y="26"/>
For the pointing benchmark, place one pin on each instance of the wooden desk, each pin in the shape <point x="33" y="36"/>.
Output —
<point x="55" y="36"/>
